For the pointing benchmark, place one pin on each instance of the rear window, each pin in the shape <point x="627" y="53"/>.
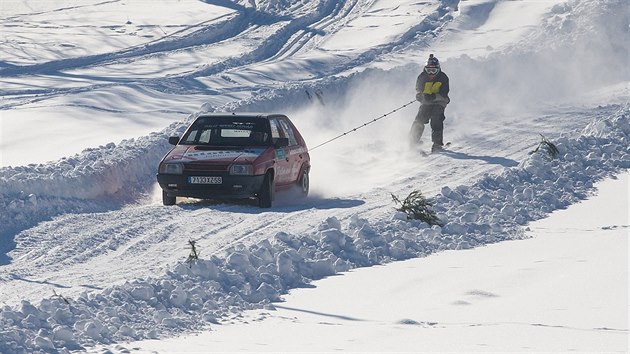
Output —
<point x="228" y="131"/>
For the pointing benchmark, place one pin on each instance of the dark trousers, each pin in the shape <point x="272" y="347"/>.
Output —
<point x="433" y="113"/>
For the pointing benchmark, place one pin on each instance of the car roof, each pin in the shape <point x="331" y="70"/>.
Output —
<point x="239" y="115"/>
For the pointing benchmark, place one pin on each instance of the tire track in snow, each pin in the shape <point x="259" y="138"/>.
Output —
<point x="305" y="36"/>
<point x="276" y="47"/>
<point x="230" y="26"/>
<point x="120" y="250"/>
<point x="213" y="30"/>
<point x="128" y="235"/>
<point x="140" y="230"/>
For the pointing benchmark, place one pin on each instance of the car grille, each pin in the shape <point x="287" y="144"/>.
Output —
<point x="206" y="167"/>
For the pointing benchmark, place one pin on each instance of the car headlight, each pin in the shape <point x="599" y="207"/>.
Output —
<point x="172" y="168"/>
<point x="242" y="170"/>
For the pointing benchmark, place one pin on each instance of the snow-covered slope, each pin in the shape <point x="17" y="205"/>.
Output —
<point x="87" y="253"/>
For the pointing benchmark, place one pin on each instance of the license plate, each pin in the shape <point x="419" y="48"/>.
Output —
<point x="204" y="180"/>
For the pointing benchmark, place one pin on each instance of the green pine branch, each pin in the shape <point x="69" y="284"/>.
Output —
<point x="417" y="207"/>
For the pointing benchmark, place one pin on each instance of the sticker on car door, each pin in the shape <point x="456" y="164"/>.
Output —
<point x="280" y="154"/>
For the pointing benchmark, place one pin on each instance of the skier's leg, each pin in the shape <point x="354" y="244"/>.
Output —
<point x="417" y="127"/>
<point x="415" y="133"/>
<point x="424" y="114"/>
<point x="437" y="125"/>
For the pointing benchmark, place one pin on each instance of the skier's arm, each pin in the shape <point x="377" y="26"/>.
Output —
<point x="419" y="88"/>
<point x="444" y="89"/>
<point x="442" y="96"/>
<point x="419" y="84"/>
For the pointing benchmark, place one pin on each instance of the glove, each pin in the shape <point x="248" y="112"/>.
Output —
<point x="441" y="100"/>
<point x="419" y="97"/>
<point x="429" y="97"/>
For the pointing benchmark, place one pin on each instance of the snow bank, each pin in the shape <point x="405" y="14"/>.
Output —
<point x="95" y="180"/>
<point x="193" y="295"/>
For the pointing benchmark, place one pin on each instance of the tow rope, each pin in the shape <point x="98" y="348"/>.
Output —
<point x="363" y="125"/>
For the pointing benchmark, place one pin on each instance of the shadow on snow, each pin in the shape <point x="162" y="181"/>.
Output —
<point x="495" y="160"/>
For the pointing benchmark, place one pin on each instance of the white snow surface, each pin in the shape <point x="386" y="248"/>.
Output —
<point x="525" y="295"/>
<point x="91" y="90"/>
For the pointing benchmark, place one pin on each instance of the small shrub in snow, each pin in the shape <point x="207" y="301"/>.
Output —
<point x="194" y="255"/>
<point x="61" y="297"/>
<point x="417" y="207"/>
<point x="546" y="146"/>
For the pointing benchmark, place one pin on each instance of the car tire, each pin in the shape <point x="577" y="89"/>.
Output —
<point x="265" y="196"/>
<point x="168" y="200"/>
<point x="304" y="184"/>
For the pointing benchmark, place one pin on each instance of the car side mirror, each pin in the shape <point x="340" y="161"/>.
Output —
<point x="281" y="142"/>
<point x="173" y="140"/>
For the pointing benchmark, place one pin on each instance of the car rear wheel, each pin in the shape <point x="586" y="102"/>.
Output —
<point x="166" y="199"/>
<point x="304" y="184"/>
<point x="265" y="196"/>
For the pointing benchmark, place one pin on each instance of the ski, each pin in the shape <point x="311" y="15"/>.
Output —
<point x="428" y="153"/>
<point x="444" y="148"/>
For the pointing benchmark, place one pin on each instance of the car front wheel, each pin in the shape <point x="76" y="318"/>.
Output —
<point x="265" y="196"/>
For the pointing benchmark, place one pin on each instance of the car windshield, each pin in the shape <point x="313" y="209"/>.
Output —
<point x="228" y="131"/>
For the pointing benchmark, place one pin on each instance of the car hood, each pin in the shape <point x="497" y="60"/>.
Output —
<point x="196" y="153"/>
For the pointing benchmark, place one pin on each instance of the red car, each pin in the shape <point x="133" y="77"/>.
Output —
<point x="235" y="155"/>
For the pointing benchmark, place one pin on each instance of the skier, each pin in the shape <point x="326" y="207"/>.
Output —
<point x="432" y="92"/>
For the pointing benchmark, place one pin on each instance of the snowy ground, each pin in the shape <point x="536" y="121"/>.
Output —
<point x="565" y="289"/>
<point x="91" y="90"/>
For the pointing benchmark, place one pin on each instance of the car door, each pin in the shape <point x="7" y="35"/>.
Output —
<point x="293" y="151"/>
<point x="282" y="158"/>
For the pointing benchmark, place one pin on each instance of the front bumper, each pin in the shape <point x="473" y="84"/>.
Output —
<point x="231" y="186"/>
